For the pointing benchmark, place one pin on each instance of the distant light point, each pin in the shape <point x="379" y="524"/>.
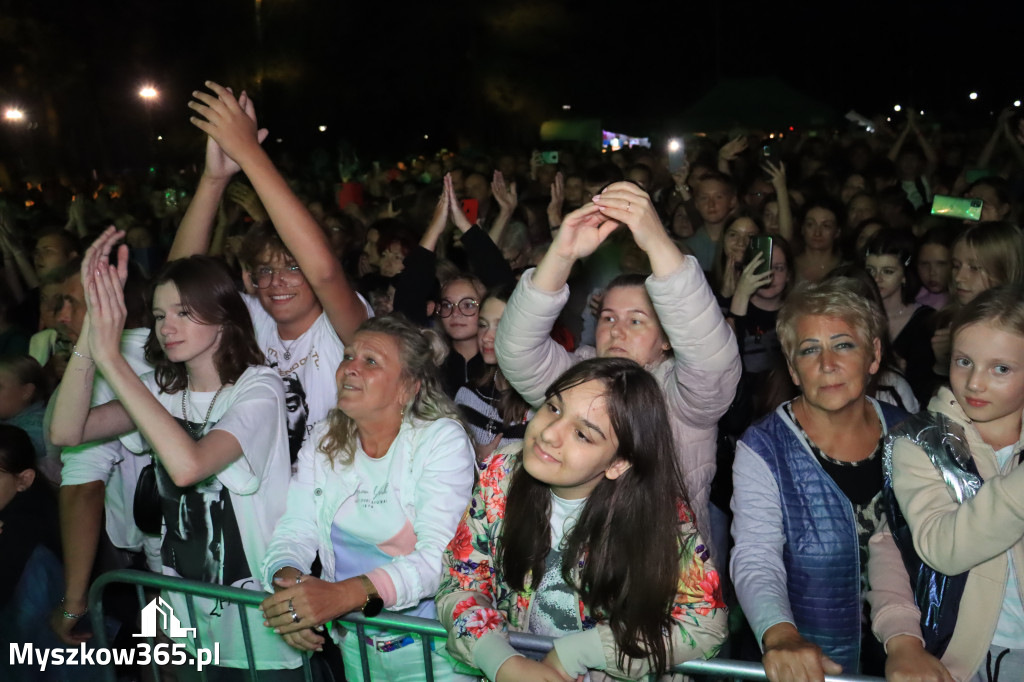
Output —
<point x="897" y="107"/>
<point x="148" y="92"/>
<point x="973" y="95"/>
<point x="14" y="114"/>
<point x="323" y="129"/>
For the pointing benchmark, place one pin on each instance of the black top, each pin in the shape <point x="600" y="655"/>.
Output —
<point x="29" y="520"/>
<point x="415" y="285"/>
<point x="914" y="346"/>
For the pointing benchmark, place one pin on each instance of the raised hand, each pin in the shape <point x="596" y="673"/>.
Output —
<point x="627" y="203"/>
<point x="750" y="280"/>
<point x="103" y="283"/>
<point x="505" y="195"/>
<point x="454" y="207"/>
<point x="245" y="197"/>
<point x="777" y="173"/>
<point x="439" y="220"/>
<point x="582" y="232"/>
<point x="557" y="200"/>
<point x="231" y="125"/>
<point x="733" y="148"/>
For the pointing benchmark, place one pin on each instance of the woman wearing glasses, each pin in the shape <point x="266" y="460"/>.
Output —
<point x="458" y="307"/>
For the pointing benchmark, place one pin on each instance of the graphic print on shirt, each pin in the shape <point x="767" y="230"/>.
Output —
<point x="555" y="607"/>
<point x="298" y="413"/>
<point x="202" y="541"/>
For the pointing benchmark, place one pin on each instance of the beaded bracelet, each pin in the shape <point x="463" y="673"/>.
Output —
<point x="71" y="616"/>
<point x="74" y="351"/>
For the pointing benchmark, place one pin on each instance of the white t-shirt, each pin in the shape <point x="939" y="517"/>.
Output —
<point x="1010" y="626"/>
<point x="217" y="531"/>
<point x="109" y="461"/>
<point x="306" y="365"/>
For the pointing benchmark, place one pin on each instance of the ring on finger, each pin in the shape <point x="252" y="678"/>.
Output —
<point x="629" y="204"/>
<point x="295" y="617"/>
<point x="291" y="607"/>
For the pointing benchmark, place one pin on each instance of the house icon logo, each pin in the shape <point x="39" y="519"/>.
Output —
<point x="160" y="610"/>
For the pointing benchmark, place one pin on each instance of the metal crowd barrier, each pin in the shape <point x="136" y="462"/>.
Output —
<point x="525" y="642"/>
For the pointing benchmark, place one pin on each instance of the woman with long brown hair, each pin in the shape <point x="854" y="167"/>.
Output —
<point x="592" y="508"/>
<point x="213" y="416"/>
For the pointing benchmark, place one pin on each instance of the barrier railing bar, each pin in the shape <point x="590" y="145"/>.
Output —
<point x="190" y="608"/>
<point x="364" y="658"/>
<point x="523" y="641"/>
<point x="428" y="662"/>
<point x="254" y="674"/>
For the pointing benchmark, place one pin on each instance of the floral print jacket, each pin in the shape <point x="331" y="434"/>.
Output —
<point x="474" y="600"/>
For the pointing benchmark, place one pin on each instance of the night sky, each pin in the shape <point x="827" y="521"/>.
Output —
<point x="381" y="75"/>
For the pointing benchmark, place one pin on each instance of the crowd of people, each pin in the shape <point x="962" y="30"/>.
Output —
<point x="605" y="399"/>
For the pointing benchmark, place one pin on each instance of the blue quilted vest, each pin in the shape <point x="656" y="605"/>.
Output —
<point x="821" y="553"/>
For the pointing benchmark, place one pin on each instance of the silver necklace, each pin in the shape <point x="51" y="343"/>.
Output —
<point x="288" y="349"/>
<point x="184" y="413"/>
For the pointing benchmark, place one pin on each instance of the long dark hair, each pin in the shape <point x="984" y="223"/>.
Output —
<point x="623" y="520"/>
<point x="208" y="296"/>
<point x="512" y="408"/>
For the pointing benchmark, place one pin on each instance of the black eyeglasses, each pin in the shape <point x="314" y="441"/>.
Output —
<point x="466" y="306"/>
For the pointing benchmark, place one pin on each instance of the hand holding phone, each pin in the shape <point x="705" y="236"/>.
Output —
<point x="760" y="245"/>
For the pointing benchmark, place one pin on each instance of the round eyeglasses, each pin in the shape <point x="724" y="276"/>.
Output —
<point x="290" y="276"/>
<point x="466" y="306"/>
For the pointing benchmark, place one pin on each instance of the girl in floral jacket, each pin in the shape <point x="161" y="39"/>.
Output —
<point x="585" y="535"/>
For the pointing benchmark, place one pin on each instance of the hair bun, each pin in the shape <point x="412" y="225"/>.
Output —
<point x="438" y="347"/>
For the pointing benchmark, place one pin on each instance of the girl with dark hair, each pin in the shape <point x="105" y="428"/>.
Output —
<point x="592" y="508"/>
<point x="887" y="259"/>
<point x="213" y="417"/>
<point x="819" y="250"/>
<point x="494" y="413"/>
<point x="934" y="265"/>
<point x="731" y="255"/>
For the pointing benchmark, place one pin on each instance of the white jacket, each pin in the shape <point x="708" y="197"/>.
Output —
<point x="433" y="483"/>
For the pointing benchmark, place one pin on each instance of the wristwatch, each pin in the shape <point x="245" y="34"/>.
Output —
<point x="374" y="604"/>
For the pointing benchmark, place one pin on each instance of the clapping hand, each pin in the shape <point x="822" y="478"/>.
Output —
<point x="454" y="207"/>
<point x="231" y="125"/>
<point x="505" y="195"/>
<point x="103" y="283"/>
<point x="557" y="199"/>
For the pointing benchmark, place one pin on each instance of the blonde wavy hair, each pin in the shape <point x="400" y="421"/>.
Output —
<point x="421" y="351"/>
